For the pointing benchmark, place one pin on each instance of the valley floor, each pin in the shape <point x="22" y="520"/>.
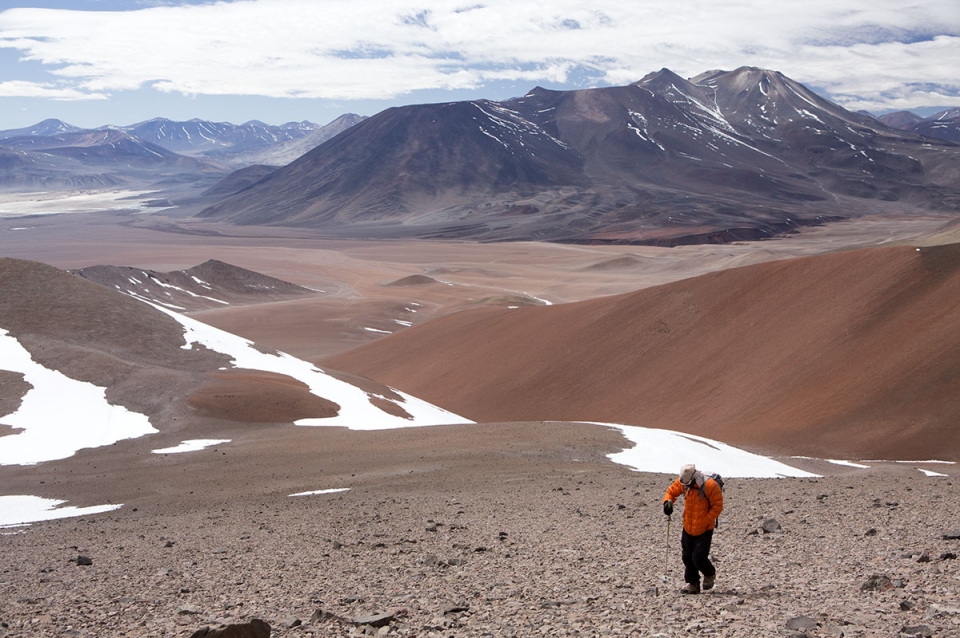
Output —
<point x="355" y="301"/>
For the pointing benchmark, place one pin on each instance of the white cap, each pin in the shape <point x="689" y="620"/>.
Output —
<point x="686" y="473"/>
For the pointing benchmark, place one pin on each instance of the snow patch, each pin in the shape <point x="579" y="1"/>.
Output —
<point x="20" y="510"/>
<point x="330" y="491"/>
<point x="357" y="411"/>
<point x="848" y="464"/>
<point x="665" y="452"/>
<point x="60" y="415"/>
<point x="191" y="445"/>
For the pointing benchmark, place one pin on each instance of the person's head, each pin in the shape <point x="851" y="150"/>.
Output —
<point x="688" y="474"/>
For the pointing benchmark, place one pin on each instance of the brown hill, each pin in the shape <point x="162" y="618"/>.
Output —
<point x="94" y="333"/>
<point x="212" y="284"/>
<point x="854" y="353"/>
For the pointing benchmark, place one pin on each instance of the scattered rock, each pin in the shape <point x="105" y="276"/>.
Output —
<point x="871" y="532"/>
<point x="84" y="560"/>
<point x="948" y="556"/>
<point x="291" y="621"/>
<point x="924" y="558"/>
<point x="938" y="611"/>
<point x="919" y="631"/>
<point x="770" y="526"/>
<point x="951" y="536"/>
<point x="906" y="605"/>
<point x="877" y="582"/>
<point x="256" y="628"/>
<point x="802" y="623"/>
<point x="188" y="610"/>
<point x="321" y="616"/>
<point x="455" y="608"/>
<point x="374" y="620"/>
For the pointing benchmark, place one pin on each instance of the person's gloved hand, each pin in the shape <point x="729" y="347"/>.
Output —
<point x="667" y="508"/>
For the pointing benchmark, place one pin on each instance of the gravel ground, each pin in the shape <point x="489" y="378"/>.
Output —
<point x="486" y="544"/>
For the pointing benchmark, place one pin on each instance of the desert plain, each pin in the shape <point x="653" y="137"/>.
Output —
<point x="519" y="528"/>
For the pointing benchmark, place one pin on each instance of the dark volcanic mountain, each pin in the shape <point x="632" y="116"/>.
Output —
<point x="944" y="125"/>
<point x="727" y="155"/>
<point x="239" y="180"/>
<point x="903" y="120"/>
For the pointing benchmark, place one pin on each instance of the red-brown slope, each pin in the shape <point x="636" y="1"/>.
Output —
<point x="852" y="354"/>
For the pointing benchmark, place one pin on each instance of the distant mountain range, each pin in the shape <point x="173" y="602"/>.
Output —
<point x="944" y="125"/>
<point x="53" y="155"/>
<point x="722" y="156"/>
<point x="67" y="158"/>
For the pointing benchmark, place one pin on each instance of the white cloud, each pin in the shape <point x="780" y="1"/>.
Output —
<point x="866" y="51"/>
<point x="23" y="88"/>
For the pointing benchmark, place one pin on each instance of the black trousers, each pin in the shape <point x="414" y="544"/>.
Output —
<point x="696" y="556"/>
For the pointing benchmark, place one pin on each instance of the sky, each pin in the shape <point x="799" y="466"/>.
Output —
<point x="97" y="62"/>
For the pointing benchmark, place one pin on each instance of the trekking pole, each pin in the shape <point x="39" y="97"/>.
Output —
<point x="669" y="518"/>
<point x="666" y="549"/>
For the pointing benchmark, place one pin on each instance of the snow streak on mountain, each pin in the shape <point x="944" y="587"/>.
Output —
<point x="725" y="155"/>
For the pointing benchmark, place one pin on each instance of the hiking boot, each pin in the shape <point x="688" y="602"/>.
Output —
<point x="708" y="582"/>
<point x="691" y="588"/>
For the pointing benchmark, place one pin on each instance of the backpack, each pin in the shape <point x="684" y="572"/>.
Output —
<point x="719" y="481"/>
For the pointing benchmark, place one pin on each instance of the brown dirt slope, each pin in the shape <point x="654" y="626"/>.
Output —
<point x="854" y="354"/>
<point x="95" y="334"/>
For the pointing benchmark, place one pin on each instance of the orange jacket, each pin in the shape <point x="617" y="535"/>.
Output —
<point x="699" y="513"/>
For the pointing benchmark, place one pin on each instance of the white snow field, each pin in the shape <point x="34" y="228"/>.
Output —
<point x="22" y="510"/>
<point x="665" y="451"/>
<point x="59" y="415"/>
<point x="357" y="412"/>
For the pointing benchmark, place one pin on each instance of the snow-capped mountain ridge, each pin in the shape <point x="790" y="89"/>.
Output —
<point x="736" y="154"/>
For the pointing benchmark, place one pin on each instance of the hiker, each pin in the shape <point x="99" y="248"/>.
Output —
<point x="703" y="502"/>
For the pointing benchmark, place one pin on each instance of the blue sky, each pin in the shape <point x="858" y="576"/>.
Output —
<point x="95" y="62"/>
